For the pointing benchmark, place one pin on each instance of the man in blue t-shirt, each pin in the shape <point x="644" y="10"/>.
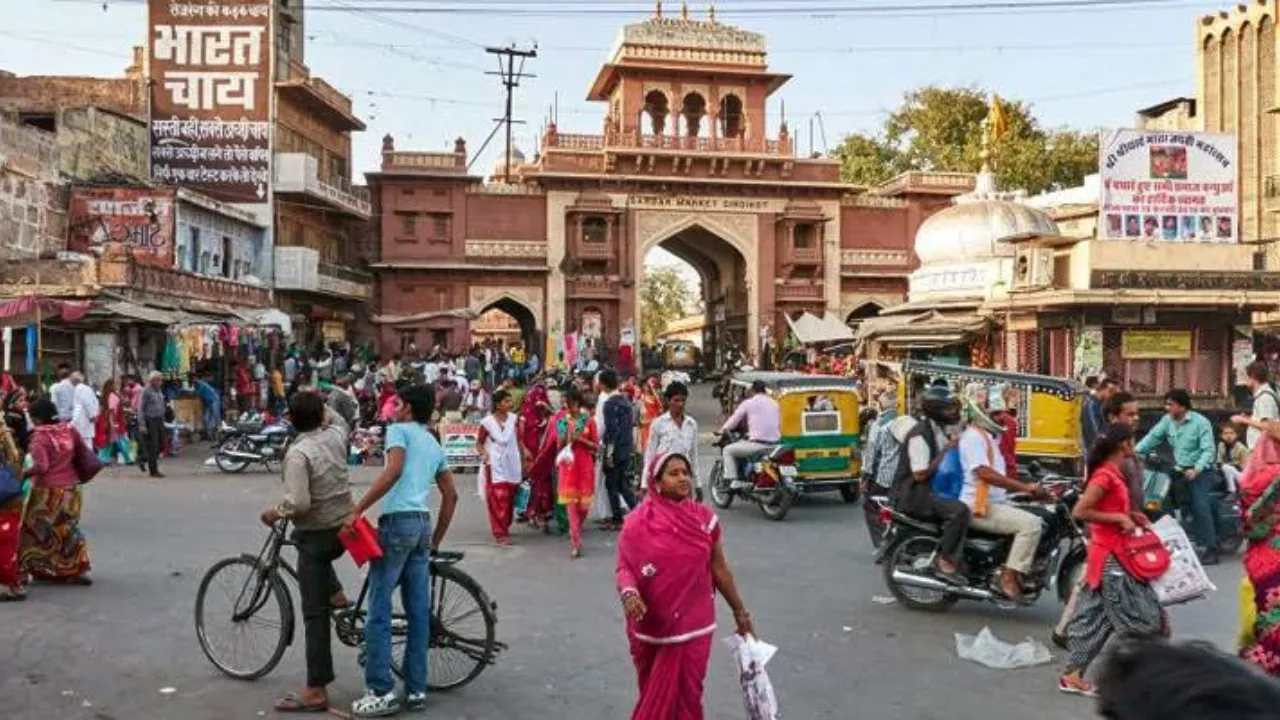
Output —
<point x="415" y="462"/>
<point x="212" y="407"/>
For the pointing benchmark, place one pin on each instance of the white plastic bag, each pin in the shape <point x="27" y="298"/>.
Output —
<point x="749" y="657"/>
<point x="1185" y="580"/>
<point x="987" y="649"/>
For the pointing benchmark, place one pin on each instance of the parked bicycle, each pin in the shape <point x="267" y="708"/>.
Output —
<point x="243" y="601"/>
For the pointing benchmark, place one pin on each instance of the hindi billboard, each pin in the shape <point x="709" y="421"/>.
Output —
<point x="210" y="67"/>
<point x="1178" y="187"/>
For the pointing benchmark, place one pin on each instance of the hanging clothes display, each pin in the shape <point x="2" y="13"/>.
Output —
<point x="32" y="342"/>
<point x="8" y="349"/>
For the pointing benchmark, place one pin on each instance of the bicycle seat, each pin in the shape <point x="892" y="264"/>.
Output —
<point x="447" y="557"/>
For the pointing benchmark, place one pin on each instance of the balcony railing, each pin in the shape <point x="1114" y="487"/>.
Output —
<point x="132" y="276"/>
<point x="425" y="161"/>
<point x="591" y="287"/>
<point x="598" y="250"/>
<point x="300" y="173"/>
<point x="806" y="255"/>
<point x="807" y="291"/>
<point x="567" y="141"/>
<point x="300" y="269"/>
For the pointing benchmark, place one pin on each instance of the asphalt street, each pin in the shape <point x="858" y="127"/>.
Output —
<point x="126" y="649"/>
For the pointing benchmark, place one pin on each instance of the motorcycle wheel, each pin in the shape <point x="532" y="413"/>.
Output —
<point x="777" y="503"/>
<point x="721" y="495"/>
<point x="228" y="464"/>
<point x="850" y="492"/>
<point x="914" y="554"/>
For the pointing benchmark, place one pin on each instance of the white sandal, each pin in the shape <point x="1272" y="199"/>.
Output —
<point x="373" y="705"/>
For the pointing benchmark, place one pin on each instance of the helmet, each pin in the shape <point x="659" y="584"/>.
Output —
<point x="940" y="406"/>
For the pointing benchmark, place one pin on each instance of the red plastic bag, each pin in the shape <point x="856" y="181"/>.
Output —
<point x="361" y="542"/>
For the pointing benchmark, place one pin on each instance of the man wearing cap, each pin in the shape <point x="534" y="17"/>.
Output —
<point x="477" y="401"/>
<point x="151" y="407"/>
<point x="764" y="422"/>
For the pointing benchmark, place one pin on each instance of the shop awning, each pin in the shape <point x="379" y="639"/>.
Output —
<point x="810" y="329"/>
<point x="926" y="330"/>
<point x="24" y="310"/>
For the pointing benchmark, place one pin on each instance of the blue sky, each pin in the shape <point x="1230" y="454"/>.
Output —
<point x="1085" y="68"/>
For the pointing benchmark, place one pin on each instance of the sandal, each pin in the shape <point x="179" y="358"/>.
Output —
<point x="1076" y="686"/>
<point x="12" y="594"/>
<point x="293" y="703"/>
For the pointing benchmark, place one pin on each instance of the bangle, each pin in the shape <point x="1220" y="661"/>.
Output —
<point x="627" y="593"/>
<point x="739" y="614"/>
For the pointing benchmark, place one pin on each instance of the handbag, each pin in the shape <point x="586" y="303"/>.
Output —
<point x="1143" y="555"/>
<point x="84" y="460"/>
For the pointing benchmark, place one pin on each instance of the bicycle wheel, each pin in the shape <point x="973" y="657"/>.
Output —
<point x="244" y="618"/>
<point x="463" y="630"/>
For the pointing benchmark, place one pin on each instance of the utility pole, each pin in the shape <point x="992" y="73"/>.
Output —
<point x="511" y="76"/>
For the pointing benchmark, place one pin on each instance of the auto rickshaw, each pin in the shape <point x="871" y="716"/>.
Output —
<point x="1048" y="409"/>
<point x="820" y="446"/>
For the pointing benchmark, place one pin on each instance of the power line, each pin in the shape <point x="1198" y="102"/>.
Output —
<point x="511" y="77"/>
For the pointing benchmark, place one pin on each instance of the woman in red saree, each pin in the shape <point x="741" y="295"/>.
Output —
<point x="52" y="547"/>
<point x="577" y="438"/>
<point x="11" y="583"/>
<point x="670" y="565"/>
<point x="532" y="429"/>
<point x="1260" y="501"/>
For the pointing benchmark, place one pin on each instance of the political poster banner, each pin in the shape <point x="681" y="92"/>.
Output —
<point x="1166" y="186"/>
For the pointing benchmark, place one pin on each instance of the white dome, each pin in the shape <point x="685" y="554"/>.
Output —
<point x="500" y="165"/>
<point x="968" y="231"/>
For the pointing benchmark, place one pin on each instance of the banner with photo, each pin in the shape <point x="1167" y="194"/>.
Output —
<point x="1176" y="187"/>
<point x="210" y="70"/>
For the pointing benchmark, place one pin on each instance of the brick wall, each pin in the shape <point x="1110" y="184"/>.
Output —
<point x="47" y="94"/>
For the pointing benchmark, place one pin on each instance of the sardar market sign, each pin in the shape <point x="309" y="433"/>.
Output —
<point x="693" y="202"/>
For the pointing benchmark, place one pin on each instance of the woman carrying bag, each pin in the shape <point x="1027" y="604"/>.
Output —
<point x="1124" y="557"/>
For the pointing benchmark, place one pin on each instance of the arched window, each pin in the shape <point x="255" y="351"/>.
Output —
<point x="693" y="109"/>
<point x="731" y="120"/>
<point x="655" y="106"/>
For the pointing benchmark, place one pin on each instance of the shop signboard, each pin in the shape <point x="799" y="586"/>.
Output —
<point x="1155" y="344"/>
<point x="210" y="71"/>
<point x="1171" y="187"/>
<point x="139" y="218"/>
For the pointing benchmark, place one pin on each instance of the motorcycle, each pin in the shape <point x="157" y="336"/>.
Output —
<point x="1161" y="500"/>
<point x="769" y="476"/>
<point x="238" y="450"/>
<point x="910" y="546"/>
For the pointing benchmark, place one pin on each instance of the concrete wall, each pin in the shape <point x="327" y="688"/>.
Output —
<point x="200" y="244"/>
<point x="33" y="208"/>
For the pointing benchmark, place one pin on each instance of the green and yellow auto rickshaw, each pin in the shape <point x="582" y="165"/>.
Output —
<point x="820" y="448"/>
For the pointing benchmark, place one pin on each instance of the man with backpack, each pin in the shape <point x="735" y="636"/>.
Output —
<point x="922" y="451"/>
<point x="1265" y="407"/>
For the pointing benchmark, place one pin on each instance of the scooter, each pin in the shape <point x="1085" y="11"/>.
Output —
<point x="1160" y="500"/>
<point x="768" y="475"/>
<point x="911" y="545"/>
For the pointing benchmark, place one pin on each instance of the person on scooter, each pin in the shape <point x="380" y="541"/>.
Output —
<point x="764" y="430"/>
<point x="922" y="450"/>
<point x="985" y="486"/>
<point x="1190" y="434"/>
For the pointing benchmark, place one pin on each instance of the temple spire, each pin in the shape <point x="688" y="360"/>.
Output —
<point x="684" y="10"/>
<point x="657" y="12"/>
<point x="713" y="12"/>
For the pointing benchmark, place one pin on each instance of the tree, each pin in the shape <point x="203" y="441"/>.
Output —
<point x="940" y="129"/>
<point x="664" y="297"/>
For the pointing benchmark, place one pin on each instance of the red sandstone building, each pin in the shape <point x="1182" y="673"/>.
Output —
<point x="684" y="162"/>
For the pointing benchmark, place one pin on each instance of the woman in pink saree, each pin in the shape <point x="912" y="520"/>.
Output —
<point x="1260" y="502"/>
<point x="670" y="565"/>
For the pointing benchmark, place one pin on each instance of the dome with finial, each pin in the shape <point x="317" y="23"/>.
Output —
<point x="499" y="173"/>
<point x="964" y="249"/>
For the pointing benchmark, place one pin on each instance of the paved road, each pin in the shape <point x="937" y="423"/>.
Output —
<point x="106" y="652"/>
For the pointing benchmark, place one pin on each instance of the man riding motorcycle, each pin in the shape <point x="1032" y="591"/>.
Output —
<point x="921" y="451"/>
<point x="764" y="430"/>
<point x="984" y="492"/>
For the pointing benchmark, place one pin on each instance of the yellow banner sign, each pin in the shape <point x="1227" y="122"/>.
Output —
<point x="1155" y="344"/>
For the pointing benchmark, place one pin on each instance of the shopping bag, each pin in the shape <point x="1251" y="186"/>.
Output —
<point x="750" y="656"/>
<point x="1248" y="614"/>
<point x="948" y="479"/>
<point x="1185" y="580"/>
<point x="522" y="498"/>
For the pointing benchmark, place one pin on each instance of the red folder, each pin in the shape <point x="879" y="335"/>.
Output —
<point x="361" y="542"/>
